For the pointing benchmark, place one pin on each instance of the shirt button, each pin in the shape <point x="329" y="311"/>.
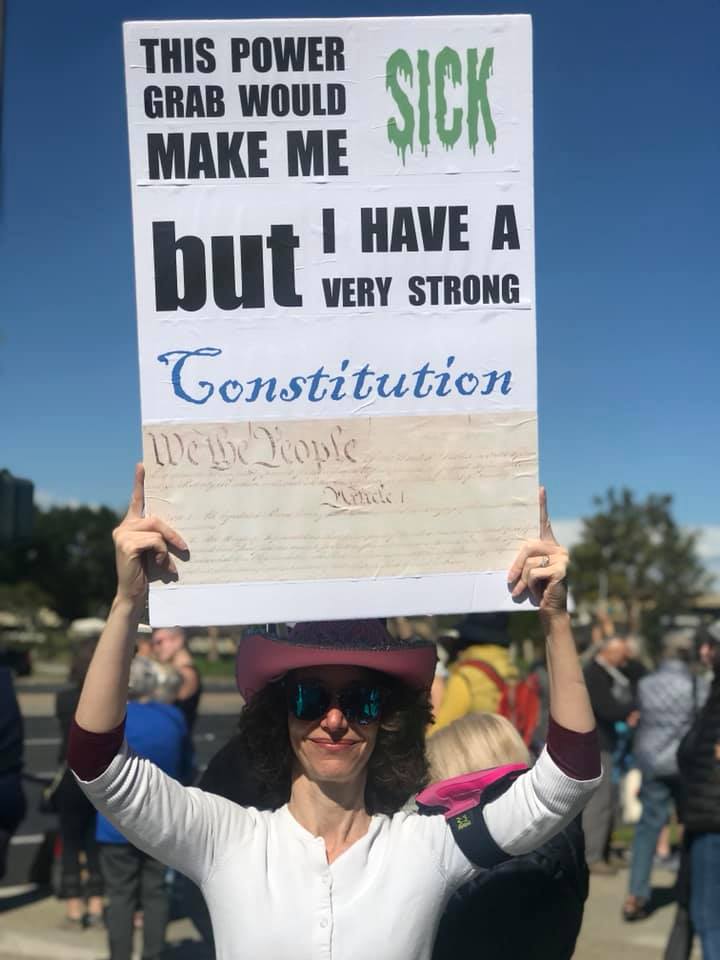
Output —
<point x="323" y="923"/>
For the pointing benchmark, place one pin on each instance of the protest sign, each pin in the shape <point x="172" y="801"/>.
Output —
<point x="333" y="235"/>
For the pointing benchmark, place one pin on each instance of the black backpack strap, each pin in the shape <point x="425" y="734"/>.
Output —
<point x="470" y="830"/>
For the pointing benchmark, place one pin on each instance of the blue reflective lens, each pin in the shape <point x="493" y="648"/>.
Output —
<point x="362" y="704"/>
<point x="308" y="700"/>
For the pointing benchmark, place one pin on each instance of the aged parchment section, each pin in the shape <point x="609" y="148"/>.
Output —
<point x="350" y="498"/>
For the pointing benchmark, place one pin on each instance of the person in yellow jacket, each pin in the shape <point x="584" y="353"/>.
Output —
<point x="483" y="637"/>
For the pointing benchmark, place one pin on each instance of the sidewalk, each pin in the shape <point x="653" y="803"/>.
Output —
<point x="33" y="930"/>
<point x="605" y="934"/>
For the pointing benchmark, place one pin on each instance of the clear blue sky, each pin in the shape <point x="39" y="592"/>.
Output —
<point x="627" y="211"/>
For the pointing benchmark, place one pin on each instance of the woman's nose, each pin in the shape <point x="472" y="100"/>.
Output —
<point x="334" y="719"/>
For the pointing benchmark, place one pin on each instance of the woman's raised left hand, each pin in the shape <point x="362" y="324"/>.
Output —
<point x="540" y="568"/>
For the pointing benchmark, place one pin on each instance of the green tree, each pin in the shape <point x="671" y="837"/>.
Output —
<point x="70" y="558"/>
<point x="633" y="553"/>
<point x="22" y="598"/>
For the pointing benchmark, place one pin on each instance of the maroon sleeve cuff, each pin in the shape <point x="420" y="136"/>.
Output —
<point x="90" y="754"/>
<point x="577" y="754"/>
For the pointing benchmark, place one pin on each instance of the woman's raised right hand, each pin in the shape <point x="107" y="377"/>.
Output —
<point x="143" y="547"/>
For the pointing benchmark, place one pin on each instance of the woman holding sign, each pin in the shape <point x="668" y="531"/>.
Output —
<point x="336" y="717"/>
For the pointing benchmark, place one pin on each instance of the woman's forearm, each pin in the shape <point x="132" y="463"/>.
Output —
<point x="569" y="700"/>
<point x="140" y="543"/>
<point x="104" y="694"/>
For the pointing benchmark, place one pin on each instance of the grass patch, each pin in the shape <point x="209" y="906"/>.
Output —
<point x="223" y="667"/>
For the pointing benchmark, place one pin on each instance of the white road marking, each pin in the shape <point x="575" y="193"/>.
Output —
<point x="26" y="839"/>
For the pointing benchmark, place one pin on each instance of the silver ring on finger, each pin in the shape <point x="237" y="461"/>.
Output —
<point x="544" y="561"/>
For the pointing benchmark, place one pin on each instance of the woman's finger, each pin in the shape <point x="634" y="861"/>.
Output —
<point x="522" y="580"/>
<point x="540" y="578"/>
<point x="551" y="574"/>
<point x="546" y="531"/>
<point x="541" y="564"/>
<point x="533" y="548"/>
<point x="137" y="498"/>
<point x="135" y="514"/>
<point x="173" y="538"/>
<point x="133" y="543"/>
<point x="156" y="525"/>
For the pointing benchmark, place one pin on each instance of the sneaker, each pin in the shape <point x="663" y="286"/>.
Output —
<point x="635" y="908"/>
<point x="602" y="869"/>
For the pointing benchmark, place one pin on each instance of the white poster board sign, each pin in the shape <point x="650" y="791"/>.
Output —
<point x="333" y="235"/>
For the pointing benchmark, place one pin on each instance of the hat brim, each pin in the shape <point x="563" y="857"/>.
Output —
<point x="262" y="659"/>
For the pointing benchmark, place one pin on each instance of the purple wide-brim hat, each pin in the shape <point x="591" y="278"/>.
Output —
<point x="354" y="643"/>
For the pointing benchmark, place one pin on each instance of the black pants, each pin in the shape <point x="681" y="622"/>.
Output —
<point x="132" y="878"/>
<point x="77" y="831"/>
<point x="12" y="811"/>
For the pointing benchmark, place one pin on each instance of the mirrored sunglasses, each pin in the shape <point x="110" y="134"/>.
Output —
<point x="310" y="700"/>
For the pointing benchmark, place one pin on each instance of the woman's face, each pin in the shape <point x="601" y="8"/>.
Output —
<point x="333" y="749"/>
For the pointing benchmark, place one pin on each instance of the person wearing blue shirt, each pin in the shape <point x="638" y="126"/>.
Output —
<point x="155" y="729"/>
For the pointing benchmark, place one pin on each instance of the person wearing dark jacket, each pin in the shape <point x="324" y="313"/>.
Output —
<point x="699" y="762"/>
<point x="12" y="798"/>
<point x="155" y="728"/>
<point x="76" y="814"/>
<point x="612" y="702"/>
<point x="546" y="888"/>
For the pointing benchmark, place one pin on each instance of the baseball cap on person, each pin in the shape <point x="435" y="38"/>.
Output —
<point x="487" y="628"/>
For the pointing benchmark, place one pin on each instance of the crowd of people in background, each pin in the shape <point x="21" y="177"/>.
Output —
<point x="663" y="722"/>
<point x="103" y="878"/>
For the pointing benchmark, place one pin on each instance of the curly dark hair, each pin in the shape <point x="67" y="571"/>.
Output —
<point x="260" y="759"/>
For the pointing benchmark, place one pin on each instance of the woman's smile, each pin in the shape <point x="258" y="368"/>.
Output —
<point x="334" y="746"/>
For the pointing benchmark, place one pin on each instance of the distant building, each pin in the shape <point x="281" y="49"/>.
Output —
<point x="16" y="508"/>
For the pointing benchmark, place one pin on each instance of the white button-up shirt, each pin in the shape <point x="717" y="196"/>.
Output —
<point x="272" y="894"/>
